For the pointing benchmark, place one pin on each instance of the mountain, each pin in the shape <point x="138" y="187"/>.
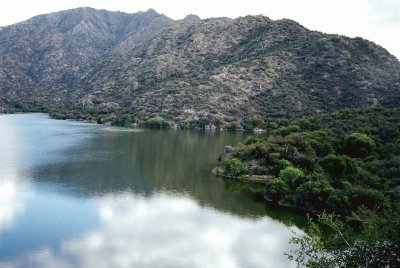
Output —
<point x="86" y="63"/>
<point x="47" y="50"/>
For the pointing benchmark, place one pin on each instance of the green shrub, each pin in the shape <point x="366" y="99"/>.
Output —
<point x="156" y="122"/>
<point x="233" y="167"/>
<point x="314" y="194"/>
<point x="367" y="197"/>
<point x="358" y="145"/>
<point x="338" y="166"/>
<point x="290" y="175"/>
<point x="284" y="131"/>
<point x="276" y="189"/>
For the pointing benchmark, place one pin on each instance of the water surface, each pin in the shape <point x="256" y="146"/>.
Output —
<point x="82" y="195"/>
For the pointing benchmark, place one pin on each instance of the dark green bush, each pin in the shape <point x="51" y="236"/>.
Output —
<point x="233" y="167"/>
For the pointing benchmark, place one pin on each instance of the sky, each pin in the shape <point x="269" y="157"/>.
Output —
<point x="375" y="20"/>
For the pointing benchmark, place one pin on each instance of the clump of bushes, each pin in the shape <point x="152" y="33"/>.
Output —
<point x="335" y="163"/>
<point x="233" y="167"/>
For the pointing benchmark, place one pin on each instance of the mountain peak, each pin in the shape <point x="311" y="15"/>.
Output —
<point x="152" y="12"/>
<point x="191" y="18"/>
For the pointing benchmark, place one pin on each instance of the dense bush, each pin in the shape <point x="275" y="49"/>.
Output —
<point x="276" y="189"/>
<point x="155" y="122"/>
<point x="233" y="167"/>
<point x="338" y="166"/>
<point x="358" y="145"/>
<point x="290" y="175"/>
<point x="331" y="242"/>
<point x="336" y="163"/>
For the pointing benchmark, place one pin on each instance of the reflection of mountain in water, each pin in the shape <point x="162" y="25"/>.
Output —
<point x="152" y="161"/>
<point x="79" y="193"/>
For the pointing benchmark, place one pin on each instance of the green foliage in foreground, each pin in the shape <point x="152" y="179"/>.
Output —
<point x="335" y="163"/>
<point x="346" y="163"/>
<point x="372" y="241"/>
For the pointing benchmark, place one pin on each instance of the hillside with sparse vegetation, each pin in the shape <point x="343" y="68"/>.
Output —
<point x="148" y="69"/>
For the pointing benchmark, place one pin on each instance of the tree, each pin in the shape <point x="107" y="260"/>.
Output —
<point x="233" y="167"/>
<point x="276" y="189"/>
<point x="358" y="145"/>
<point x="314" y="194"/>
<point x="330" y="242"/>
<point x="361" y="196"/>
<point x="290" y="175"/>
<point x="156" y="122"/>
<point x="122" y="121"/>
<point x="284" y="131"/>
<point x="257" y="122"/>
<point x="339" y="166"/>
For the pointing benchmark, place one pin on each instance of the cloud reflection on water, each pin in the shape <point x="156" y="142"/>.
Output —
<point x="13" y="191"/>
<point x="13" y="195"/>
<point x="156" y="230"/>
<point x="168" y="231"/>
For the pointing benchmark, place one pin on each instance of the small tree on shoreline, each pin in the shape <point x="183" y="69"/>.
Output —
<point x="233" y="167"/>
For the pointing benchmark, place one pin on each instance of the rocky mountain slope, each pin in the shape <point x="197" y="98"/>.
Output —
<point x="48" y="50"/>
<point x="91" y="64"/>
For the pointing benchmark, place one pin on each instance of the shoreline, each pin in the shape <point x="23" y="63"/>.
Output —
<point x="207" y="128"/>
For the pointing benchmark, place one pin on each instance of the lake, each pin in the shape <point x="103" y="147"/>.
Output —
<point x="74" y="194"/>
